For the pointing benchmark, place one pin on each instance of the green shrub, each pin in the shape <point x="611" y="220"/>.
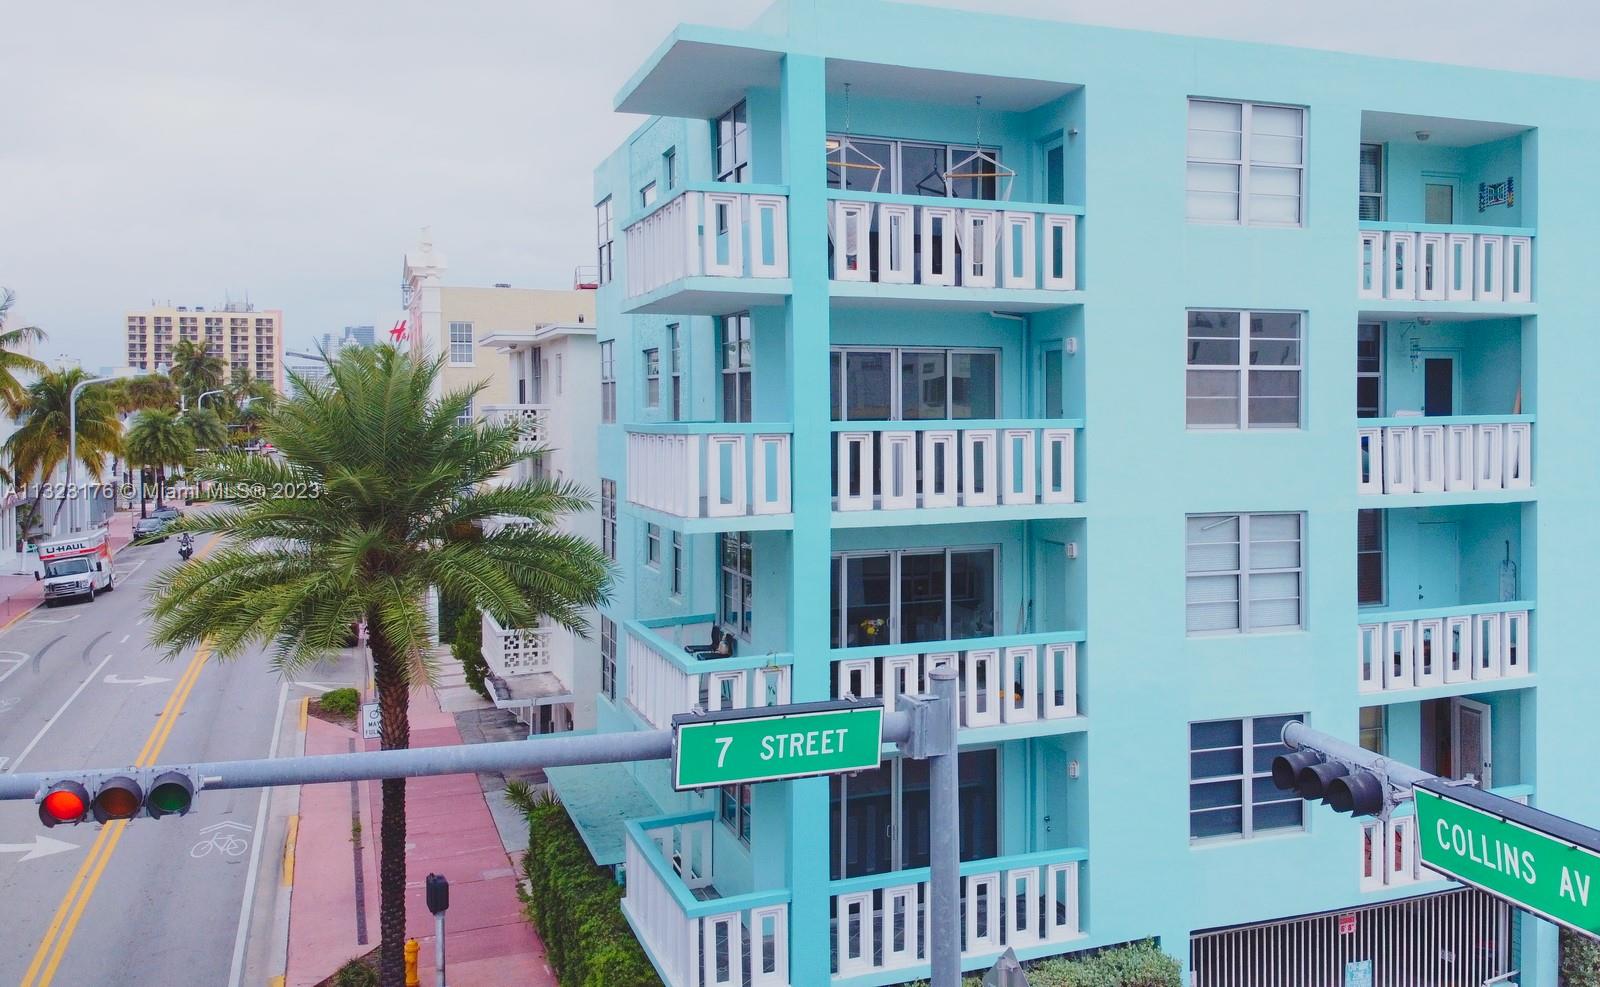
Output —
<point x="449" y="614"/>
<point x="467" y="646"/>
<point x="1139" y="964"/>
<point x="341" y="702"/>
<point x="1580" y="961"/>
<point x="355" y="973"/>
<point x="575" y="905"/>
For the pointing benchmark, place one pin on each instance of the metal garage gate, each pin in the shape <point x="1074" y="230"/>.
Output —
<point x="1452" y="939"/>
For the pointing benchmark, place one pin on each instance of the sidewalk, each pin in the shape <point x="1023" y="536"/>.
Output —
<point x="21" y="593"/>
<point x="449" y="831"/>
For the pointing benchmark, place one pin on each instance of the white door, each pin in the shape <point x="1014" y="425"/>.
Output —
<point x="1469" y="741"/>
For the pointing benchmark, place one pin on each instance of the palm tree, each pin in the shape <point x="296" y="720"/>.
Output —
<point x="144" y="391"/>
<point x="12" y="360"/>
<point x="157" y="439"/>
<point x="209" y="432"/>
<point x="378" y="496"/>
<point x="40" y="444"/>
<point x="195" y="369"/>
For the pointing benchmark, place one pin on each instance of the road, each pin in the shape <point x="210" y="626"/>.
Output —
<point x="146" y="901"/>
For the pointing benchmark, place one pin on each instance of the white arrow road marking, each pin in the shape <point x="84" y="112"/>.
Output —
<point x="15" y="663"/>
<point x="12" y="767"/>
<point x="42" y="846"/>
<point x="51" y="620"/>
<point x="226" y="824"/>
<point x="114" y="679"/>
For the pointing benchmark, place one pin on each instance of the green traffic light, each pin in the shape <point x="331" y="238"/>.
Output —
<point x="171" y="795"/>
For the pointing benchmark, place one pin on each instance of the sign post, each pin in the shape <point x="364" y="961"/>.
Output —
<point x="739" y="746"/>
<point x="1536" y="861"/>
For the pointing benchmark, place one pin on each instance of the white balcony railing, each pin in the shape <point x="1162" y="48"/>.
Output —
<point x="1434" y="455"/>
<point x="706" y="470"/>
<point x="897" y="239"/>
<point x="882" y="922"/>
<point x="1389" y="851"/>
<point x="696" y="937"/>
<point x="720" y="233"/>
<point x="893" y="466"/>
<point x="1017" y="679"/>
<point x="1421" y="649"/>
<point x="513" y="651"/>
<point x="528" y="419"/>
<point x="1444" y="263"/>
<point x="665" y="680"/>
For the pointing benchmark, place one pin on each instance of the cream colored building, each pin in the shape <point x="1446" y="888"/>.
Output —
<point x="239" y="334"/>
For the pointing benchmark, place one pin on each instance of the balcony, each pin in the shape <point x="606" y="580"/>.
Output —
<point x="730" y="475"/>
<point x="693" y="934"/>
<point x="1389" y="851"/>
<point x="1420" y="262"/>
<point x="915" y="250"/>
<point x="530" y="420"/>
<point x="664" y="679"/>
<point x="514" y="651"/>
<point x="976" y="470"/>
<point x="1449" y="455"/>
<point x="712" y="248"/>
<point x="1027" y="902"/>
<point x="1015" y="686"/>
<point x="1404" y="651"/>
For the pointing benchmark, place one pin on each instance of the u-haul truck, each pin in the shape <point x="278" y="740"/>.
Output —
<point x="77" y="565"/>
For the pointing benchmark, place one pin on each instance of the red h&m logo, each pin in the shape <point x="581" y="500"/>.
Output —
<point x="398" y="332"/>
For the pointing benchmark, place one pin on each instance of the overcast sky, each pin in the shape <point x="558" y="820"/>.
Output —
<point x="290" y="151"/>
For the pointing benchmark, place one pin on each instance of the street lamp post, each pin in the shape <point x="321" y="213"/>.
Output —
<point x="72" y="450"/>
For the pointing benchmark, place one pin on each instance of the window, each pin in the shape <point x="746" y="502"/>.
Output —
<point x="608" y="657"/>
<point x="1234" y="382"/>
<point x="738" y="583"/>
<point x="736" y="401"/>
<point x="461" y="344"/>
<point x="677" y="563"/>
<point x="1245" y="572"/>
<point x="1369" y="557"/>
<point x="536" y="363"/>
<point x="652" y="378"/>
<point x="652" y="545"/>
<point x="735" y="810"/>
<point x="910" y="167"/>
<point x="675" y="355"/>
<point x="914" y="595"/>
<point x="608" y="382"/>
<point x="1371" y="182"/>
<point x="1231" y="793"/>
<point x="608" y="518"/>
<point x="1369" y="370"/>
<point x="669" y="168"/>
<point x="1246" y="163"/>
<point x="647" y="195"/>
<point x="1375" y="729"/>
<point x="733" y="145"/>
<point x="466" y="417"/>
<point x="914" y="384"/>
<point x="879" y="818"/>
<point x="604" y="234"/>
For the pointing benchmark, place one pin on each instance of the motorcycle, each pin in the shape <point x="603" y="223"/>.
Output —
<point x="185" y="547"/>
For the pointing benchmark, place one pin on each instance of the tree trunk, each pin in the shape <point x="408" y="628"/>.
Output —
<point x="144" y="495"/>
<point x="161" y="487"/>
<point x="394" y="694"/>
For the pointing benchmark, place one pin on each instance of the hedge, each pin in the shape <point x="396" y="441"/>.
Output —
<point x="1139" y="964"/>
<point x="467" y="646"/>
<point x="449" y="614"/>
<point x="576" y="905"/>
<point x="1580" y="961"/>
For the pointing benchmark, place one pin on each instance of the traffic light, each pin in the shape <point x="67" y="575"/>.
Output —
<point x="1312" y="775"/>
<point x="121" y="795"/>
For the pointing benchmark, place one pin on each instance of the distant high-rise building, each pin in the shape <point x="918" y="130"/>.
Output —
<point x="359" y="335"/>
<point x="242" y="336"/>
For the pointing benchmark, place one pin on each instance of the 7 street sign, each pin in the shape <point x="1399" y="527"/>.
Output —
<point x="1537" y="861"/>
<point x="774" y="742"/>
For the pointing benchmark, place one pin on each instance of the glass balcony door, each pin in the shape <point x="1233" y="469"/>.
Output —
<point x="880" y="818"/>
<point x="914" y="595"/>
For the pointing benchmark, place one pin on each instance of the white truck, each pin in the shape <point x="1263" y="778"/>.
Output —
<point x="74" y="566"/>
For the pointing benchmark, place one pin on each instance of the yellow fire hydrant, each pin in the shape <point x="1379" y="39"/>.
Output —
<point x="412" y="949"/>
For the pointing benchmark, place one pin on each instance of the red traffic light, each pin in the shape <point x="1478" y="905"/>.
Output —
<point x="64" y="802"/>
<point x="118" y="797"/>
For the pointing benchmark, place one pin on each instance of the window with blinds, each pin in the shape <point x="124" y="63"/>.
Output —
<point x="1369" y="557"/>
<point x="1371" y="182"/>
<point x="1246" y="163"/>
<point x="1245" y="573"/>
<point x="1231" y="794"/>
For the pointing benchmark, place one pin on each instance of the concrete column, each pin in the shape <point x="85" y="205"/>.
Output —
<point x="809" y="842"/>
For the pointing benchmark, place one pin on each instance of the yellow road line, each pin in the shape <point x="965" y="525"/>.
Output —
<point x="288" y="851"/>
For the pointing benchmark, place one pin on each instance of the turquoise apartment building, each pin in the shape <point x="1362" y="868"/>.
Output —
<point x="1169" y="389"/>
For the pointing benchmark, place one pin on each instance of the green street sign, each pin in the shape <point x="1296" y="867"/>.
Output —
<point x="775" y="742"/>
<point x="1537" y="861"/>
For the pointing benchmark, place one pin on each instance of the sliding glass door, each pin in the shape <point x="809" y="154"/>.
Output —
<point x="895" y="384"/>
<point x="880" y="818"/>
<point x="914" y="595"/>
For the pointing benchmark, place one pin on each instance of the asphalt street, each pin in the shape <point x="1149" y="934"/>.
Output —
<point x="145" y="901"/>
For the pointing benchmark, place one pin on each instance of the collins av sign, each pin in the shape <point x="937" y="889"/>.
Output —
<point x="769" y="743"/>
<point x="1543" y="863"/>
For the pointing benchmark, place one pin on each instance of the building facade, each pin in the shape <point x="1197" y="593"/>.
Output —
<point x="241" y="336"/>
<point x="929" y="338"/>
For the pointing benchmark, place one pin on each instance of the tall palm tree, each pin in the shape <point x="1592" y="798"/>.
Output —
<point x="41" y="442"/>
<point x="144" y="391"/>
<point x="159" y="439"/>
<point x="382" y="495"/>
<point x="209" y="432"/>
<point x="195" y="369"/>
<point x="12" y="360"/>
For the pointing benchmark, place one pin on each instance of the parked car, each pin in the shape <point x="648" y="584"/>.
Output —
<point x="147" y="528"/>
